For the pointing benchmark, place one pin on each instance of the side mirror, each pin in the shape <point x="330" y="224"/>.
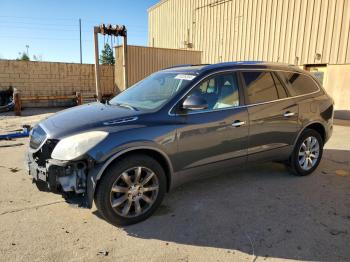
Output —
<point x="194" y="102"/>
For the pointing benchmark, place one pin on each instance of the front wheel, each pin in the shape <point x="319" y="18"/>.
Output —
<point x="307" y="153"/>
<point x="131" y="190"/>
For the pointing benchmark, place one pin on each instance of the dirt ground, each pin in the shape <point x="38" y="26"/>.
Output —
<point x="257" y="214"/>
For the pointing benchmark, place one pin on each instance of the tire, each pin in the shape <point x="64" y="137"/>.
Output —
<point x="134" y="198"/>
<point x="306" y="151"/>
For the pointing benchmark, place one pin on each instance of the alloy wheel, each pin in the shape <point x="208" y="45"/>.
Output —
<point x="134" y="192"/>
<point x="309" y="152"/>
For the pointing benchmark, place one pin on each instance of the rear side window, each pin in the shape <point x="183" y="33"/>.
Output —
<point x="260" y="87"/>
<point x="299" y="84"/>
<point x="280" y="89"/>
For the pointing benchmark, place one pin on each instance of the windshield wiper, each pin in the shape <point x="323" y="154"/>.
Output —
<point x="126" y="106"/>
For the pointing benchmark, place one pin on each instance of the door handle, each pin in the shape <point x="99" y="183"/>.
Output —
<point x="288" y="114"/>
<point x="238" y="123"/>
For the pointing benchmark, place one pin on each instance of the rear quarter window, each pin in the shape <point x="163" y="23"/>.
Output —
<point x="299" y="84"/>
<point x="260" y="87"/>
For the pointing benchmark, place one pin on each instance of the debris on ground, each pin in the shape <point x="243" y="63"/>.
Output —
<point x="336" y="232"/>
<point x="12" y="145"/>
<point x="341" y="172"/>
<point x="103" y="253"/>
<point x="22" y="133"/>
<point x="14" y="169"/>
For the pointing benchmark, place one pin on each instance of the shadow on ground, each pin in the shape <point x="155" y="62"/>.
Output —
<point x="263" y="211"/>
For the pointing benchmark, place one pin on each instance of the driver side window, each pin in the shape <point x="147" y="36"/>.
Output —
<point x="220" y="91"/>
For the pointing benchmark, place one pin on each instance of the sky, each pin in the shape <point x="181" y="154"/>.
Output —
<point x="51" y="28"/>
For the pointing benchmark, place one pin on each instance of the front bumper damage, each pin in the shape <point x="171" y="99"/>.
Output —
<point x="74" y="180"/>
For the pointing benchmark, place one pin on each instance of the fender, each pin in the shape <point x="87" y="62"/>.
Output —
<point x="96" y="173"/>
<point x="122" y="152"/>
<point x="306" y="126"/>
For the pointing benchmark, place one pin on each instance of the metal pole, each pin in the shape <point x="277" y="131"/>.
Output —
<point x="81" y="52"/>
<point x="125" y="61"/>
<point x="97" y="64"/>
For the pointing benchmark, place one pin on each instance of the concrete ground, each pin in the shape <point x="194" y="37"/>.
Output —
<point x="261" y="213"/>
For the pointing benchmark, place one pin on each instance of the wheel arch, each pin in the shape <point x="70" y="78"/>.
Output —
<point x="317" y="126"/>
<point x="156" y="153"/>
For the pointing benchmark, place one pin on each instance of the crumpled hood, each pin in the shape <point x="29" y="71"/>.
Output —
<point x="83" y="118"/>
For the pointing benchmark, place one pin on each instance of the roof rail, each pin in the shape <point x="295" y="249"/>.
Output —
<point x="266" y="62"/>
<point x="175" y="66"/>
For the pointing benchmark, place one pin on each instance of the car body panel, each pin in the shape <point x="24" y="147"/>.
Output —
<point x="269" y="129"/>
<point x="209" y="137"/>
<point x="85" y="117"/>
<point x="161" y="137"/>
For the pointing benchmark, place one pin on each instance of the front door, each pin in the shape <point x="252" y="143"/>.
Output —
<point x="217" y="134"/>
<point x="273" y="117"/>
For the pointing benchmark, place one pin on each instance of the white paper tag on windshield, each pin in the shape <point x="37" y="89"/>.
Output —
<point x="185" y="77"/>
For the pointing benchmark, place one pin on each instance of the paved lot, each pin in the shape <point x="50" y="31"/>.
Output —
<point x="261" y="213"/>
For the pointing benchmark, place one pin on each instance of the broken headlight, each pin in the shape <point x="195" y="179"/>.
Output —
<point x="72" y="147"/>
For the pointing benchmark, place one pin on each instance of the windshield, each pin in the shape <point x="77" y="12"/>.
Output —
<point x="152" y="92"/>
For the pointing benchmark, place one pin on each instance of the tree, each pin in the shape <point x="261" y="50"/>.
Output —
<point x="106" y="56"/>
<point x="23" y="57"/>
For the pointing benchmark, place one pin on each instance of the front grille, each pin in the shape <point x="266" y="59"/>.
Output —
<point x="37" y="137"/>
<point x="44" y="153"/>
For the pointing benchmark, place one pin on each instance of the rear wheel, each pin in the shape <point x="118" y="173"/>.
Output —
<point x="307" y="153"/>
<point x="131" y="190"/>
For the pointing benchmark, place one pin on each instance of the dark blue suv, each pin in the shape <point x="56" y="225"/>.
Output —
<point x="176" y="125"/>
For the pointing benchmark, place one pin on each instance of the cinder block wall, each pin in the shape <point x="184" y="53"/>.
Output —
<point x="52" y="78"/>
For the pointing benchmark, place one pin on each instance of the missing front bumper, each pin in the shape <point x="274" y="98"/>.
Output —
<point x="66" y="178"/>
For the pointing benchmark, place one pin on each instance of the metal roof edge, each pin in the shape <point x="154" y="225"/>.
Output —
<point x="156" y="5"/>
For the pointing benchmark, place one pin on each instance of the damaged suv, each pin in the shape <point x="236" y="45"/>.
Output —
<point x="176" y="125"/>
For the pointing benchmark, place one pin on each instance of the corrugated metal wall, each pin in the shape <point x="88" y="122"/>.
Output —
<point x="143" y="61"/>
<point x="291" y="31"/>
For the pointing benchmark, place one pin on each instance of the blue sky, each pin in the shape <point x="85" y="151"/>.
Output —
<point x="50" y="27"/>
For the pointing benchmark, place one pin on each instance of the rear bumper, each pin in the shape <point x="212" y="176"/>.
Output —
<point x="328" y="130"/>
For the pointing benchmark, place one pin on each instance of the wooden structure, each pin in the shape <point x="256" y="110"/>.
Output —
<point x="111" y="30"/>
<point x="143" y="61"/>
<point x="77" y="99"/>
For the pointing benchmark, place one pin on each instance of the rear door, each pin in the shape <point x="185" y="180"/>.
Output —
<point x="273" y="116"/>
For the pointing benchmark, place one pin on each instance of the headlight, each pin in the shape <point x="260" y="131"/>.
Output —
<point x="75" y="146"/>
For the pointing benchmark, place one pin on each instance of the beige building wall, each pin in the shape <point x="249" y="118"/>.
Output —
<point x="338" y="85"/>
<point x="51" y="78"/>
<point x="143" y="61"/>
<point x="290" y="31"/>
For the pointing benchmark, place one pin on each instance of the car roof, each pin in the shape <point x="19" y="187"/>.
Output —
<point x="206" y="68"/>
